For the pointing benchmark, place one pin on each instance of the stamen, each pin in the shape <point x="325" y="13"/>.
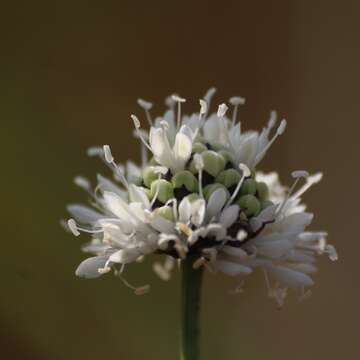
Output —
<point x="75" y="229"/>
<point x="236" y="101"/>
<point x="82" y="183"/>
<point x="110" y="160"/>
<point x="297" y="175"/>
<point x="141" y="290"/>
<point x="208" y="96"/>
<point x="179" y="100"/>
<point x="280" y="130"/>
<point x="137" y="129"/>
<point x="199" y="165"/>
<point x="245" y="173"/>
<point x="304" y="295"/>
<point x="222" y="110"/>
<point x="202" y="112"/>
<point x="146" y="106"/>
<point x="108" y="156"/>
<point x="310" y="181"/>
<point x="272" y="119"/>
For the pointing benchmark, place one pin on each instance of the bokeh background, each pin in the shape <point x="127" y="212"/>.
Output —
<point x="71" y="72"/>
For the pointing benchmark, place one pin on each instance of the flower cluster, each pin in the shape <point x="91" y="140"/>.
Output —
<point x="199" y="194"/>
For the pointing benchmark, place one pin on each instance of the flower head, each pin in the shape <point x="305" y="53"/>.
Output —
<point x="198" y="192"/>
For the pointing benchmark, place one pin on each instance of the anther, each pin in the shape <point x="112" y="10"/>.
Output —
<point x="73" y="227"/>
<point x="110" y="159"/>
<point x="235" y="102"/>
<point x="280" y="130"/>
<point x="222" y="110"/>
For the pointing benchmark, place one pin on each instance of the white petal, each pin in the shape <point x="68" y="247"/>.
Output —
<point x="116" y="205"/>
<point x="291" y="278"/>
<point x="198" y="212"/>
<point x="274" y="249"/>
<point x="162" y="225"/>
<point x="232" y="268"/>
<point x="125" y="256"/>
<point x="235" y="252"/>
<point x="137" y="194"/>
<point x="182" y="147"/>
<point x="84" y="214"/>
<point x="215" y="204"/>
<point x="229" y="216"/>
<point x="184" y="210"/>
<point x="89" y="268"/>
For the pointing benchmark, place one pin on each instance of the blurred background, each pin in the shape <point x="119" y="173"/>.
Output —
<point x="71" y="72"/>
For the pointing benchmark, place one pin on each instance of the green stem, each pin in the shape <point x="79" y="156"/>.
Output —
<point x="190" y="309"/>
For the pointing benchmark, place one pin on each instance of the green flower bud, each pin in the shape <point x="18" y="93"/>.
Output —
<point x="165" y="212"/>
<point x="213" y="162"/>
<point x="266" y="203"/>
<point x="198" y="148"/>
<point x="185" y="178"/>
<point x="217" y="147"/>
<point x="228" y="177"/>
<point x="209" y="189"/>
<point x="249" y="204"/>
<point x="149" y="175"/>
<point x="226" y="155"/>
<point x="193" y="197"/>
<point x="166" y="191"/>
<point x="248" y="187"/>
<point x="262" y="190"/>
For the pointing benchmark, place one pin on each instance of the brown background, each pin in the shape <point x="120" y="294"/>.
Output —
<point x="70" y="75"/>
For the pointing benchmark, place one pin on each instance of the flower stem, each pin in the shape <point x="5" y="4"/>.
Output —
<point x="191" y="280"/>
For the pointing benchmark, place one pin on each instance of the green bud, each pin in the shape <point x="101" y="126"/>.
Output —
<point x="228" y="177"/>
<point x="166" y="191"/>
<point x="226" y="155"/>
<point x="199" y="148"/>
<point x="217" y="147"/>
<point x="266" y="203"/>
<point x="165" y="212"/>
<point x="209" y="189"/>
<point x="185" y="178"/>
<point x="193" y="197"/>
<point x="262" y="190"/>
<point x="248" y="187"/>
<point x="149" y="175"/>
<point x="249" y="204"/>
<point x="213" y="162"/>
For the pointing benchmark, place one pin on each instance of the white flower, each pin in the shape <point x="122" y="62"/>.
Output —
<point x="201" y="195"/>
